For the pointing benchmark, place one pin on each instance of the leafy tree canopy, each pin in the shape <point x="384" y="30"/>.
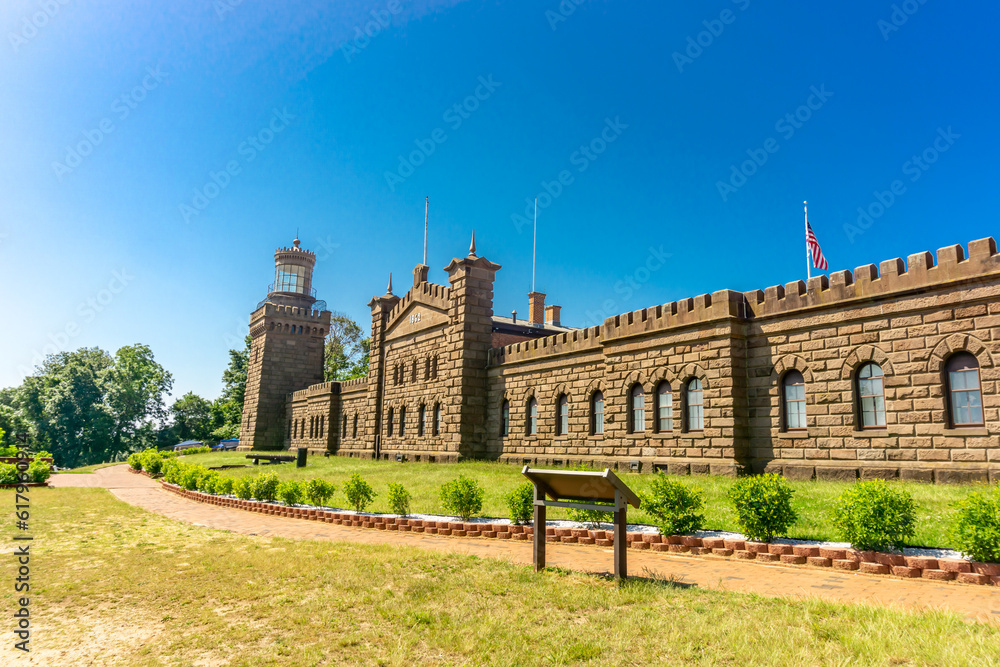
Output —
<point x="347" y="350"/>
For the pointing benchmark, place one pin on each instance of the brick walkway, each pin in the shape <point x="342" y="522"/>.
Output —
<point x="978" y="602"/>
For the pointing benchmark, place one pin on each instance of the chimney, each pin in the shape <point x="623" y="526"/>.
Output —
<point x="420" y="274"/>
<point x="536" y="308"/>
<point x="552" y="315"/>
<point x="513" y="316"/>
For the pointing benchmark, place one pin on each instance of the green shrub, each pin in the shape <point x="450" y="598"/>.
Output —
<point x="875" y="516"/>
<point x="171" y="471"/>
<point x="359" y="493"/>
<point x="521" y="503"/>
<point x="290" y="493"/>
<point x="593" y="518"/>
<point x="763" y="506"/>
<point x="134" y="461"/>
<point x="190" y="476"/>
<point x="38" y="472"/>
<point x="976" y="526"/>
<point x="399" y="499"/>
<point x="8" y="450"/>
<point x="43" y="454"/>
<point x="152" y="462"/>
<point x="8" y="473"/>
<point x="243" y="488"/>
<point x="673" y="505"/>
<point x="265" y="486"/>
<point x="208" y="480"/>
<point x="224" y="486"/>
<point x="318" y="491"/>
<point x="462" y="497"/>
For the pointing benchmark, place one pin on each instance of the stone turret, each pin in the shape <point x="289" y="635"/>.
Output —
<point x="286" y="352"/>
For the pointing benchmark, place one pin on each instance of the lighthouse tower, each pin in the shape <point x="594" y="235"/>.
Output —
<point x="288" y="329"/>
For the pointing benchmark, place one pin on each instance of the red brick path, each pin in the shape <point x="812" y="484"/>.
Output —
<point x="978" y="602"/>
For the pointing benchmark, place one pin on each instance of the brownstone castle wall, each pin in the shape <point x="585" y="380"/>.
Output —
<point x="432" y="354"/>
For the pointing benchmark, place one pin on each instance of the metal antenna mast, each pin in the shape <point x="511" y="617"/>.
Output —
<point x="427" y="208"/>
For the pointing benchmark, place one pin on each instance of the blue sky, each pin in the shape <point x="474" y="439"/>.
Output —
<point x="153" y="154"/>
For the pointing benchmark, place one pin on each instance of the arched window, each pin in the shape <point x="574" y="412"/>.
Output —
<point x="664" y="408"/>
<point x="695" y="401"/>
<point x="793" y="408"/>
<point x="395" y="375"/>
<point x="312" y="427"/>
<point x="322" y="426"/>
<point x="391" y="423"/>
<point x="562" y="415"/>
<point x="355" y="431"/>
<point x="597" y="414"/>
<point x="344" y="435"/>
<point x="402" y="420"/>
<point x="437" y="419"/>
<point x="414" y="373"/>
<point x="637" y="409"/>
<point x="532" y="417"/>
<point x="427" y="369"/>
<point x="434" y="368"/>
<point x="965" y="399"/>
<point x="871" y="396"/>
<point x="422" y="421"/>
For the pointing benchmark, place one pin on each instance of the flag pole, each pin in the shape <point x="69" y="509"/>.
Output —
<point x="805" y="210"/>
<point x="427" y="208"/>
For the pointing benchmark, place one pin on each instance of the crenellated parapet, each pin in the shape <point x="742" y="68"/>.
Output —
<point x="568" y="342"/>
<point x="354" y="386"/>
<point x="891" y="277"/>
<point x="686" y="312"/>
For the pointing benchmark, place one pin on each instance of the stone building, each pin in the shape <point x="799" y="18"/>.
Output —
<point x="885" y="371"/>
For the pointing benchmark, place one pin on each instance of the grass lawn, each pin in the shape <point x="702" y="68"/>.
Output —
<point x="812" y="500"/>
<point x="114" y="584"/>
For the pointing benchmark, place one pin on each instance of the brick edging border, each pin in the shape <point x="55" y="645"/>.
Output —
<point x="866" y="562"/>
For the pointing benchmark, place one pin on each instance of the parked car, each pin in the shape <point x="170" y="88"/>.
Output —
<point x="188" y="444"/>
<point x="227" y="445"/>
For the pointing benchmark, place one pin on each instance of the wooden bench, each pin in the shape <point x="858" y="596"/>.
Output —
<point x="271" y="459"/>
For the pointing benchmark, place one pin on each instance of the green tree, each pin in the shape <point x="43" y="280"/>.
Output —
<point x="193" y="418"/>
<point x="227" y="410"/>
<point x="346" y="350"/>
<point x="64" y="400"/>
<point x="136" y="385"/>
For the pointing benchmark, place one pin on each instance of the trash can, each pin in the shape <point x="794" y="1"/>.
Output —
<point x="300" y="460"/>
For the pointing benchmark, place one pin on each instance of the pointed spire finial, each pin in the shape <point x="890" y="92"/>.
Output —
<point x="388" y="290"/>
<point x="472" y="246"/>
<point x="296" y="241"/>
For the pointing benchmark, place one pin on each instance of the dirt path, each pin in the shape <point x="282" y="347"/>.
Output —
<point x="978" y="602"/>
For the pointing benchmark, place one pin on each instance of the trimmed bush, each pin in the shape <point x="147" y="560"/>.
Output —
<point x="265" y="486"/>
<point x="207" y="481"/>
<point x="674" y="505"/>
<point x="190" y="476"/>
<point x="976" y="526"/>
<point x="290" y="493"/>
<point x="399" y="499"/>
<point x="171" y="471"/>
<point x="359" y="493"/>
<point x="152" y="462"/>
<point x="593" y="518"/>
<point x="38" y="472"/>
<point x="462" y="497"/>
<point x="875" y="516"/>
<point x="8" y="473"/>
<point x="242" y="488"/>
<point x="763" y="506"/>
<point x="520" y="503"/>
<point x="134" y="461"/>
<point x="318" y="491"/>
<point x="224" y="485"/>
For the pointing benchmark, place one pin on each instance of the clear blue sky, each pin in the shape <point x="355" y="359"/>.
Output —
<point x="182" y="85"/>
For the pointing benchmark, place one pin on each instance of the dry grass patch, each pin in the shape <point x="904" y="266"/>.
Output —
<point x="117" y="585"/>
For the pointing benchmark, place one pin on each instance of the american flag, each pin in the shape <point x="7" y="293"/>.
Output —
<point x="819" y="261"/>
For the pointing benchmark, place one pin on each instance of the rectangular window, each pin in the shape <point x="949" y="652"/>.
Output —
<point x="966" y="401"/>
<point x="665" y="410"/>
<point x="533" y="418"/>
<point x="795" y="406"/>
<point x="422" y="425"/>
<point x="599" y="414"/>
